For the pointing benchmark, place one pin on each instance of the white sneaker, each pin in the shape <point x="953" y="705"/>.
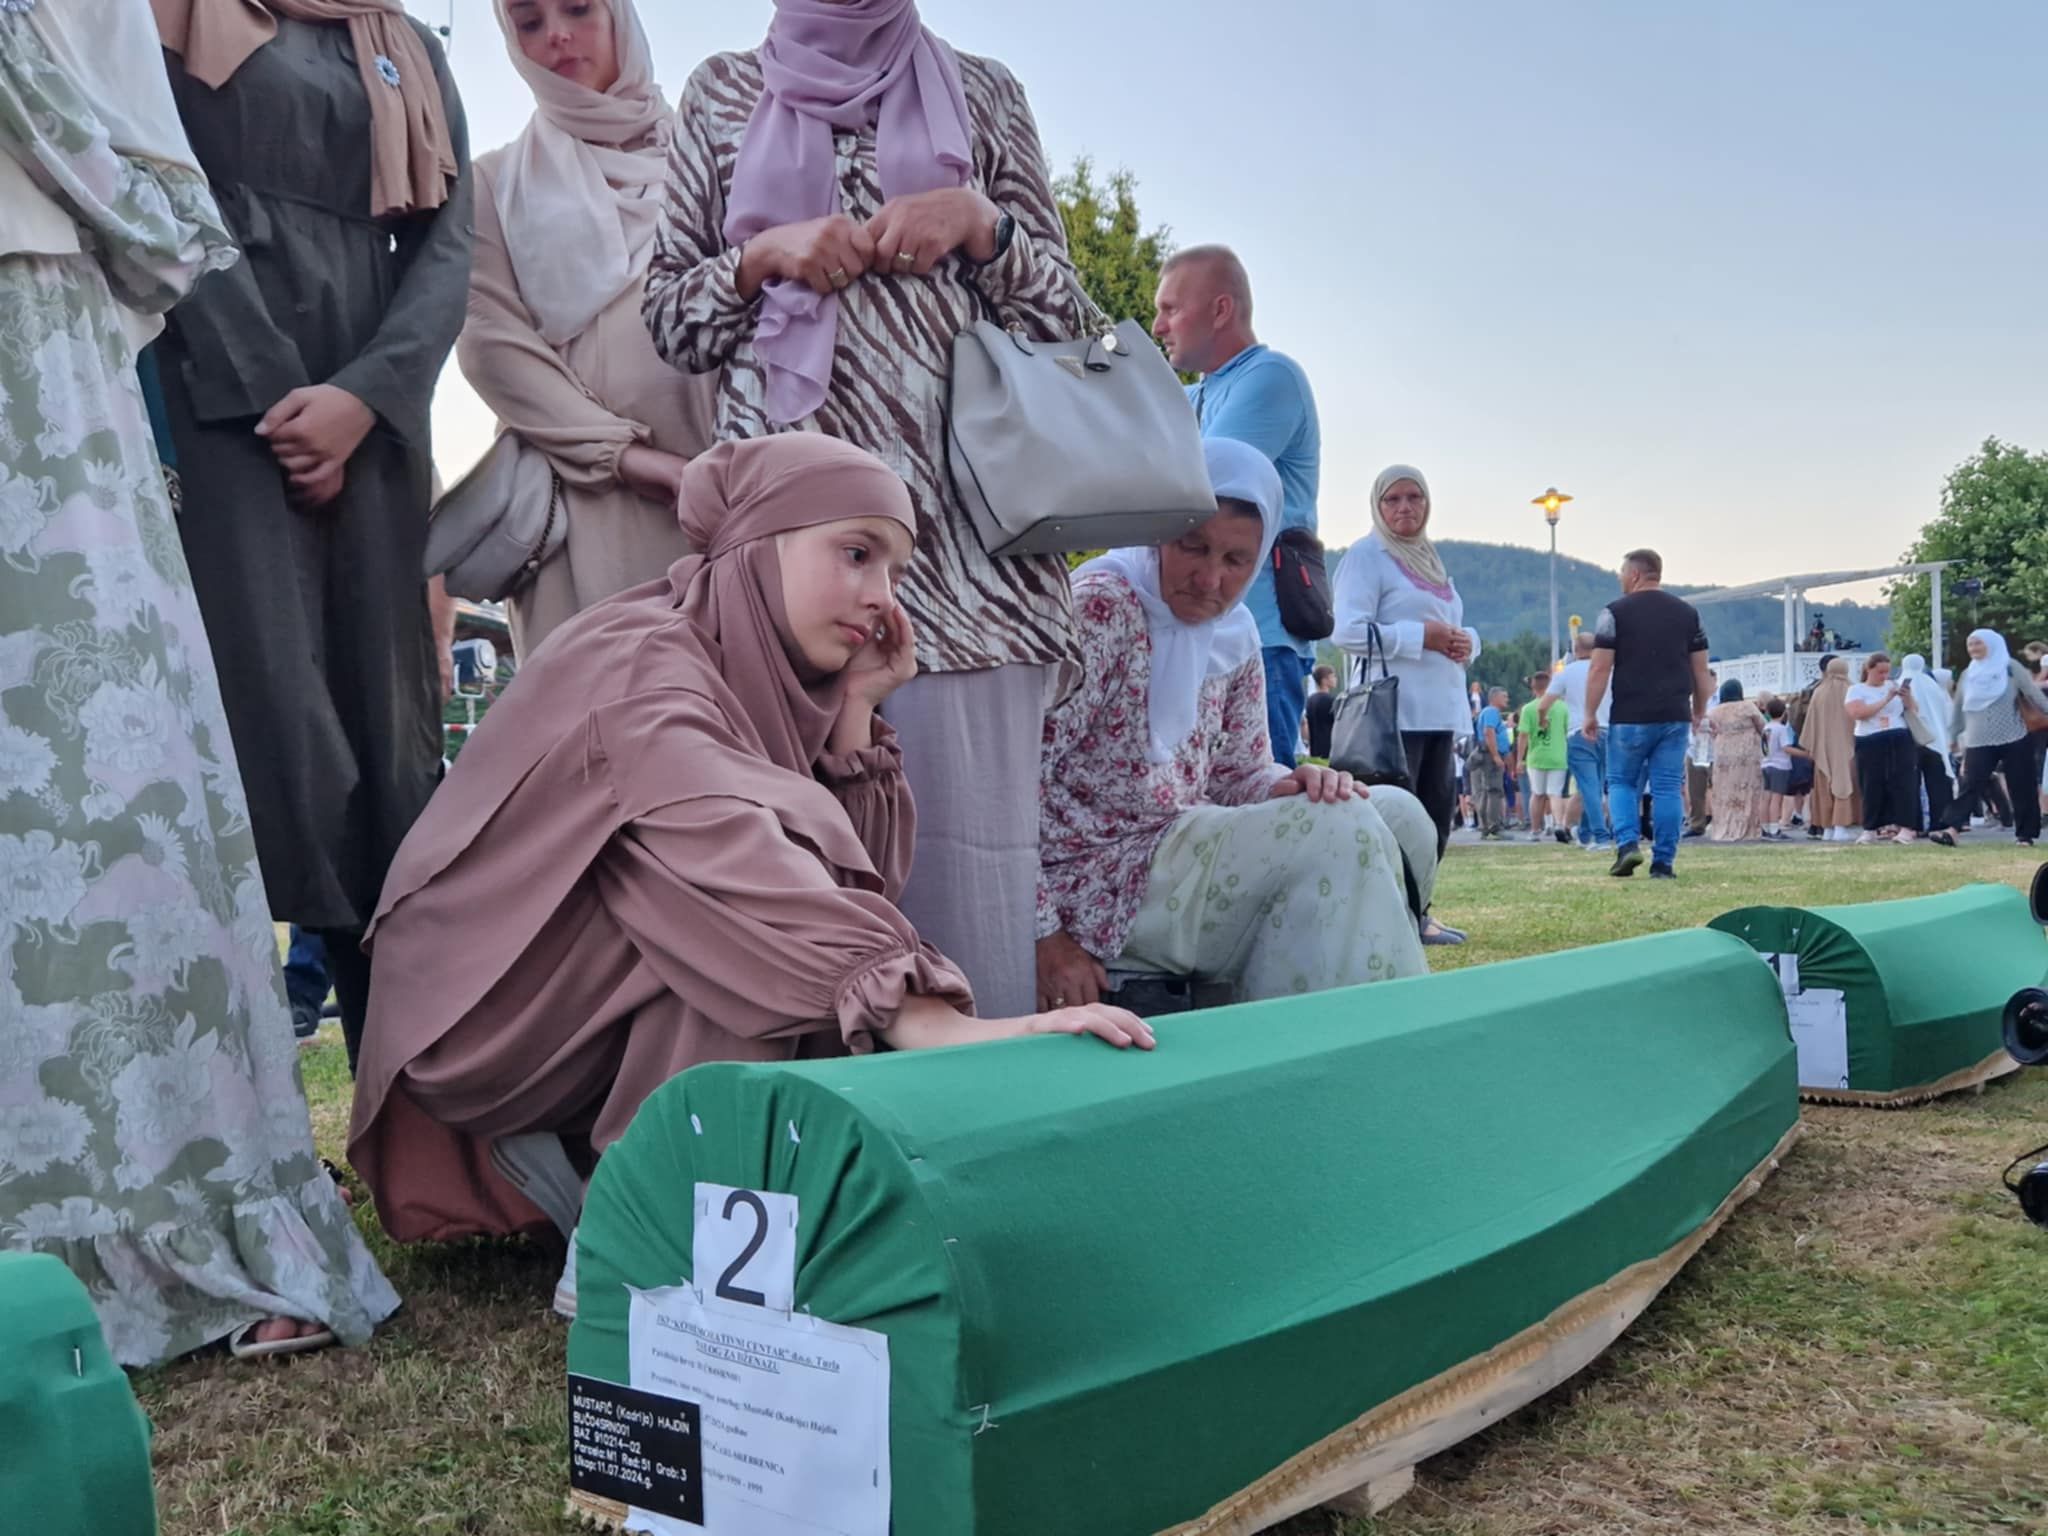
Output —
<point x="565" y="1288"/>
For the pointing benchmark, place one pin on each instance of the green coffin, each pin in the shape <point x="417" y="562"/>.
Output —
<point x="1925" y="981"/>
<point x="74" y="1445"/>
<point x="1119" y="1288"/>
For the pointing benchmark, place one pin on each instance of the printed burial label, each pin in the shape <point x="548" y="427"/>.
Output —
<point x="639" y="1448"/>
<point x="795" y="1413"/>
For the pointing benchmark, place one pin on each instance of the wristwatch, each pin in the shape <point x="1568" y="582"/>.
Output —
<point x="1006" y="231"/>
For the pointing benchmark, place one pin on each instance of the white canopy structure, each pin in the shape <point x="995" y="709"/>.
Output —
<point x="1786" y="672"/>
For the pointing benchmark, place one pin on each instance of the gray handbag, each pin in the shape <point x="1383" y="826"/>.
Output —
<point x="1070" y="445"/>
<point x="498" y="524"/>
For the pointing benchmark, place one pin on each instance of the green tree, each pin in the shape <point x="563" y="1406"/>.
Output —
<point x="1994" y="524"/>
<point x="1117" y="259"/>
<point x="1509" y="663"/>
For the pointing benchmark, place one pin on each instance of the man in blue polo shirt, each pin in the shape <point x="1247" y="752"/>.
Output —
<point x="1258" y="396"/>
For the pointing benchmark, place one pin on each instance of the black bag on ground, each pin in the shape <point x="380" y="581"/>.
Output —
<point x="1365" y="739"/>
<point x="1301" y="586"/>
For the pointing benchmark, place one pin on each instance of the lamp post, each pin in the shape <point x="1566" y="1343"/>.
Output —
<point x="1551" y="501"/>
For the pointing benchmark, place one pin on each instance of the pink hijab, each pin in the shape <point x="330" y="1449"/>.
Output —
<point x="826" y="65"/>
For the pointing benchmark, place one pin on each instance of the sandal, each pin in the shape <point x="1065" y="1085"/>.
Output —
<point x="242" y="1342"/>
<point x="1946" y="839"/>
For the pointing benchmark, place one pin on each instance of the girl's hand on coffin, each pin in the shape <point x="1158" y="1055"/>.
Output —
<point x="1117" y="1026"/>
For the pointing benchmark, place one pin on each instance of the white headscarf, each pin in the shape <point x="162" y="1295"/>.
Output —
<point x="579" y="211"/>
<point x="1984" y="682"/>
<point x="1183" y="654"/>
<point x="1931" y="702"/>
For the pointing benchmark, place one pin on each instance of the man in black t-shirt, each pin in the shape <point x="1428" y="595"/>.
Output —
<point x="1320" y="714"/>
<point x="1649" y="645"/>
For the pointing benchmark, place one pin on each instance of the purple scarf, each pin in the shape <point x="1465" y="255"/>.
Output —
<point x="829" y="66"/>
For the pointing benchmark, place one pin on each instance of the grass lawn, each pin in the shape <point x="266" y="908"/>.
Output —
<point x="1864" y="1346"/>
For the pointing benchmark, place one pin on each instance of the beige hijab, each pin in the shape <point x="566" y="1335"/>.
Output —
<point x="1417" y="556"/>
<point x="412" y="153"/>
<point x="1830" y="735"/>
<point x="578" y="192"/>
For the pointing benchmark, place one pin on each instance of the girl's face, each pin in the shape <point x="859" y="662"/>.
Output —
<point x="838" y="582"/>
<point x="573" y="38"/>
<point x="1977" y="648"/>
<point x="1880" y="672"/>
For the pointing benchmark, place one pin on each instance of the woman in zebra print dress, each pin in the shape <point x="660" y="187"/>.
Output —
<point x="836" y="199"/>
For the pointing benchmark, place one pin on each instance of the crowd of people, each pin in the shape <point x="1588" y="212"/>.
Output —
<point x="792" y="764"/>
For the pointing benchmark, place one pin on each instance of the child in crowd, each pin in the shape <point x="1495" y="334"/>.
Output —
<point x="1782" y="752"/>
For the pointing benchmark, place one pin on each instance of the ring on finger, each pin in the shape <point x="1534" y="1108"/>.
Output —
<point x="905" y="260"/>
<point x="837" y="277"/>
<point x="1059" y="1002"/>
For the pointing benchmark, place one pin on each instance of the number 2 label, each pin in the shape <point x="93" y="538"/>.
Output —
<point x="744" y="1250"/>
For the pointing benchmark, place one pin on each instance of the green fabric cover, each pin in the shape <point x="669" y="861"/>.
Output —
<point x="1926" y="980"/>
<point x="74" y="1444"/>
<point x="1150" y="1279"/>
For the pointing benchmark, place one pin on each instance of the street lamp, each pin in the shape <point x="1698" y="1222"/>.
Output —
<point x="1551" y="501"/>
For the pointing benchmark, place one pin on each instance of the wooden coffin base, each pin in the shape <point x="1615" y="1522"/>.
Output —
<point x="1365" y="1466"/>
<point x="1996" y="1065"/>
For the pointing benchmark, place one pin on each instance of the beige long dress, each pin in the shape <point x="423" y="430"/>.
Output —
<point x="582" y="405"/>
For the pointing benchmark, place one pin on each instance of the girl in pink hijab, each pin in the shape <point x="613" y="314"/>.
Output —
<point x="677" y="838"/>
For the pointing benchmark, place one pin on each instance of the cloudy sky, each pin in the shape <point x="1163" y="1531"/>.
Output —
<point x="1746" y="278"/>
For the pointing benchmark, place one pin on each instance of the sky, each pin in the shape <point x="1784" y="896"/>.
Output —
<point x="1745" y="278"/>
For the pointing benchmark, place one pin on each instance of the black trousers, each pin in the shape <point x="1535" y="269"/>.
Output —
<point x="1934" y="779"/>
<point x="1433" y="770"/>
<point x="2017" y="759"/>
<point x="350" y="968"/>
<point x="1889" y="775"/>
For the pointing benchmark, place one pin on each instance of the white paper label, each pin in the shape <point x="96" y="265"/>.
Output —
<point x="1820" y="1032"/>
<point x="744" y="1251"/>
<point x="794" y="1414"/>
<point x="1787" y="968"/>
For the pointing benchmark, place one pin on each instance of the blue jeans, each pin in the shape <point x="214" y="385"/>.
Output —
<point x="305" y="972"/>
<point x="1587" y="761"/>
<point x="1656" y="753"/>
<point x="1286" y="696"/>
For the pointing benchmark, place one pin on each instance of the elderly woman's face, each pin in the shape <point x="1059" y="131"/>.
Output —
<point x="572" y="38"/>
<point x="1204" y="572"/>
<point x="1405" y="508"/>
<point x="1977" y="648"/>
<point x="838" y="581"/>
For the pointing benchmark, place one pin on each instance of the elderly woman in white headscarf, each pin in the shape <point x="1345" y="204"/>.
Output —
<point x="1395" y="600"/>
<point x="1169" y="840"/>
<point x="1994" y="734"/>
<point x="565" y="220"/>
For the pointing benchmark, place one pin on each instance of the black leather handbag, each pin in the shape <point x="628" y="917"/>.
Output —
<point x="1365" y="738"/>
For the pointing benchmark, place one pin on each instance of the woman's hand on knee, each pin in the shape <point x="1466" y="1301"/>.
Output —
<point x="1067" y="974"/>
<point x="1120" y="1027"/>
<point x="1322" y="785"/>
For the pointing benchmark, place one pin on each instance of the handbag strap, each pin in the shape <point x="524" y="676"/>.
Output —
<point x="1373" y="647"/>
<point x="1095" y="319"/>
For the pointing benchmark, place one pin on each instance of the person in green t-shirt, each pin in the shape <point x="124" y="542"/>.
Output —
<point x="1540" y="750"/>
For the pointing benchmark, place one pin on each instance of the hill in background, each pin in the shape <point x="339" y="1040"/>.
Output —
<point x="1507" y="593"/>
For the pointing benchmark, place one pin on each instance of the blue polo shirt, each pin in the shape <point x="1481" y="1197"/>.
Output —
<point x="1262" y="397"/>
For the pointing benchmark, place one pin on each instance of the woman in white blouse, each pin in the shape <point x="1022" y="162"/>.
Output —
<point x="1885" y="765"/>
<point x="1394" y="596"/>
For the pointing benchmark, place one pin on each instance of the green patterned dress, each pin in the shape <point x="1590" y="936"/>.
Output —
<point x="153" y="1127"/>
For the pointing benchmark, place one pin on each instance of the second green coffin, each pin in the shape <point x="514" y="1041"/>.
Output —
<point x="1925" y="980"/>
<point x="1119" y="1287"/>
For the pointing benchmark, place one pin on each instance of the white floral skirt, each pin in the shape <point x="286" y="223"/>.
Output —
<point x="153" y="1127"/>
<point x="1286" y="897"/>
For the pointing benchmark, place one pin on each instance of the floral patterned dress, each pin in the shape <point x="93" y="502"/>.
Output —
<point x="1190" y="867"/>
<point x="154" y="1133"/>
